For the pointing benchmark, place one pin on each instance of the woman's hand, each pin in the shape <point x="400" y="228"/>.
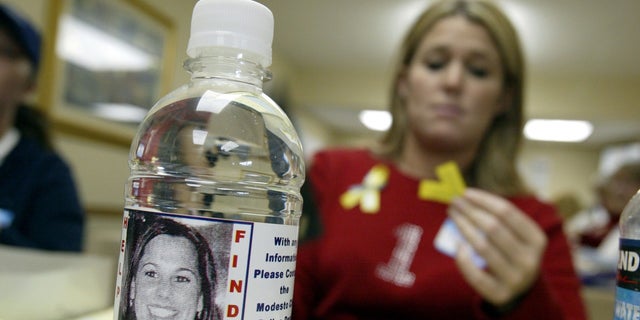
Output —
<point x="510" y="242"/>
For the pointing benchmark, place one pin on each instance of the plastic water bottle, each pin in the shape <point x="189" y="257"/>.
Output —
<point x="212" y="204"/>
<point x="628" y="277"/>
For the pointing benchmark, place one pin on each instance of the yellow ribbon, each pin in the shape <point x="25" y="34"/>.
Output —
<point x="450" y="184"/>
<point x="368" y="193"/>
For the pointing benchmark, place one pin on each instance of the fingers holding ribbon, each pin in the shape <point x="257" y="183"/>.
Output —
<point x="497" y="247"/>
<point x="508" y="240"/>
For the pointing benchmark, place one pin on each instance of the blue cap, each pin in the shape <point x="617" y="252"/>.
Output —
<point x="22" y="32"/>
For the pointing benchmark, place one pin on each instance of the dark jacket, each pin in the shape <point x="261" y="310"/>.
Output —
<point x="37" y="186"/>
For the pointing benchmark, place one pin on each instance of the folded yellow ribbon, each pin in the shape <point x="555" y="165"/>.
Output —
<point x="450" y="184"/>
<point x="368" y="193"/>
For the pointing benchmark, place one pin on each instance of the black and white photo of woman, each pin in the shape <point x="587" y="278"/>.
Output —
<point x="172" y="271"/>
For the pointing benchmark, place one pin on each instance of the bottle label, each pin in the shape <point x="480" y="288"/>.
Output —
<point x="628" y="281"/>
<point x="189" y="267"/>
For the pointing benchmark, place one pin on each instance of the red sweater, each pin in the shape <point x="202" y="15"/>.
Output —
<point x="338" y="274"/>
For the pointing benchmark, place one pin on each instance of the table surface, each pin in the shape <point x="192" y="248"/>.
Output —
<point x="37" y="284"/>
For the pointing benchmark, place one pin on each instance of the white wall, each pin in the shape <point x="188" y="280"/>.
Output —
<point x="557" y="169"/>
<point x="100" y="170"/>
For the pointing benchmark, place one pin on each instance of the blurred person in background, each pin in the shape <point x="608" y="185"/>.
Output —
<point x="39" y="203"/>
<point x="457" y="96"/>
<point x="594" y="232"/>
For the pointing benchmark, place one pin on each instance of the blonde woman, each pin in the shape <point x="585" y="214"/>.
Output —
<point x="456" y="97"/>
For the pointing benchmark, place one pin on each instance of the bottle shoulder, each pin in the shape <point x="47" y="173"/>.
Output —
<point x="630" y="219"/>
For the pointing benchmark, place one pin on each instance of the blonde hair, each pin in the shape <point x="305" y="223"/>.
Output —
<point x="494" y="168"/>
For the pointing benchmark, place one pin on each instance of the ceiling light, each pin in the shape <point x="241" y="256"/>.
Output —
<point x="375" y="119"/>
<point x="199" y="136"/>
<point x="558" y="130"/>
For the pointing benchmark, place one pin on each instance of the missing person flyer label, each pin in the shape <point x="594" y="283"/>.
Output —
<point x="628" y="281"/>
<point x="189" y="267"/>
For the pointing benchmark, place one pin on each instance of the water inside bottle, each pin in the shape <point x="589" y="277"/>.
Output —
<point x="219" y="155"/>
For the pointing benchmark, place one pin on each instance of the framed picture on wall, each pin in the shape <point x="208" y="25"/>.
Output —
<point x="106" y="63"/>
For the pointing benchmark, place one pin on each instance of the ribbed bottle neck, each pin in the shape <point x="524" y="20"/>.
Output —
<point x="227" y="64"/>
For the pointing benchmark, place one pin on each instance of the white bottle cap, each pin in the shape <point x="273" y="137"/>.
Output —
<point x="238" y="24"/>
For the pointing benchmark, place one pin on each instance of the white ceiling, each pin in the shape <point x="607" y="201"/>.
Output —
<point x="583" y="55"/>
